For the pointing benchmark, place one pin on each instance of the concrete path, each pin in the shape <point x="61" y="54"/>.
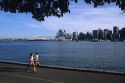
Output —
<point x="13" y="73"/>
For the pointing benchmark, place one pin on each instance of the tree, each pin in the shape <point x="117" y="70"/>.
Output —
<point x="81" y="36"/>
<point x="44" y="8"/>
<point x="88" y="36"/>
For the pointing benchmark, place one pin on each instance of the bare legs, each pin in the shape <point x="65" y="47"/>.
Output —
<point x="30" y="66"/>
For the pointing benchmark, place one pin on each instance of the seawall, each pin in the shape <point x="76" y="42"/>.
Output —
<point x="67" y="68"/>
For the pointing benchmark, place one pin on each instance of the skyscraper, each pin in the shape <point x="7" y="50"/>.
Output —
<point x="107" y="34"/>
<point x="95" y="34"/>
<point x="100" y="34"/>
<point x="115" y="33"/>
<point x="61" y="33"/>
<point x="75" y="36"/>
<point x="122" y="34"/>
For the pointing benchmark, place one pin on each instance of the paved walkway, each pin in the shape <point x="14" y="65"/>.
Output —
<point x="12" y="73"/>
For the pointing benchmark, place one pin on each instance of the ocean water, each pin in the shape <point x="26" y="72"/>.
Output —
<point x="108" y="56"/>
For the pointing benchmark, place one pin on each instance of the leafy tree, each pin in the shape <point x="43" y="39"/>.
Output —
<point x="44" y="8"/>
<point x="81" y="36"/>
<point x="88" y="36"/>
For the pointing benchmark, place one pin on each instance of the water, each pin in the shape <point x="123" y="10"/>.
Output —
<point x="91" y="55"/>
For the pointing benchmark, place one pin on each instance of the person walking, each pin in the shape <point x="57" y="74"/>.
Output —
<point x="31" y="63"/>
<point x="36" y="59"/>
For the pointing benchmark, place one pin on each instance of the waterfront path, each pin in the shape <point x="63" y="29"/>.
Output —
<point x="16" y="73"/>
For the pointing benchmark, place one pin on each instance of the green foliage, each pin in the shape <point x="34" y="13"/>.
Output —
<point x="81" y="36"/>
<point x="119" y="3"/>
<point x="44" y="8"/>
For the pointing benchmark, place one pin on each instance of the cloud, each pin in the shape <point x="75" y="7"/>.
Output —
<point x="82" y="19"/>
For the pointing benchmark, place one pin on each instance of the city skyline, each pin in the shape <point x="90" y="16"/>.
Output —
<point x="82" y="18"/>
<point x="95" y="35"/>
<point x="98" y="34"/>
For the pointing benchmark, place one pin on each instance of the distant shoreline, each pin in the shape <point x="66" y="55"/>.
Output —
<point x="62" y="40"/>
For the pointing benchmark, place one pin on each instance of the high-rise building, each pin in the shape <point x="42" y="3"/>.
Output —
<point x="95" y="34"/>
<point x="115" y="30"/>
<point x="75" y="36"/>
<point x="122" y="34"/>
<point x="115" y="36"/>
<point x="61" y="33"/>
<point x="64" y="33"/>
<point x="107" y="34"/>
<point x="100" y="34"/>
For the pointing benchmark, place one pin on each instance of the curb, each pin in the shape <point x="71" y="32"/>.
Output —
<point x="67" y="68"/>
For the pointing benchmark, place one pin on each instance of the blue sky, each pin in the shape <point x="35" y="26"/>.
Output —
<point x="83" y="18"/>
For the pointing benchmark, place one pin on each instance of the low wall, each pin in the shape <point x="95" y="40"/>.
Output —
<point x="67" y="68"/>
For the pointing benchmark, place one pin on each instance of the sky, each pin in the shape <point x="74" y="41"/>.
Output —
<point x="82" y="18"/>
